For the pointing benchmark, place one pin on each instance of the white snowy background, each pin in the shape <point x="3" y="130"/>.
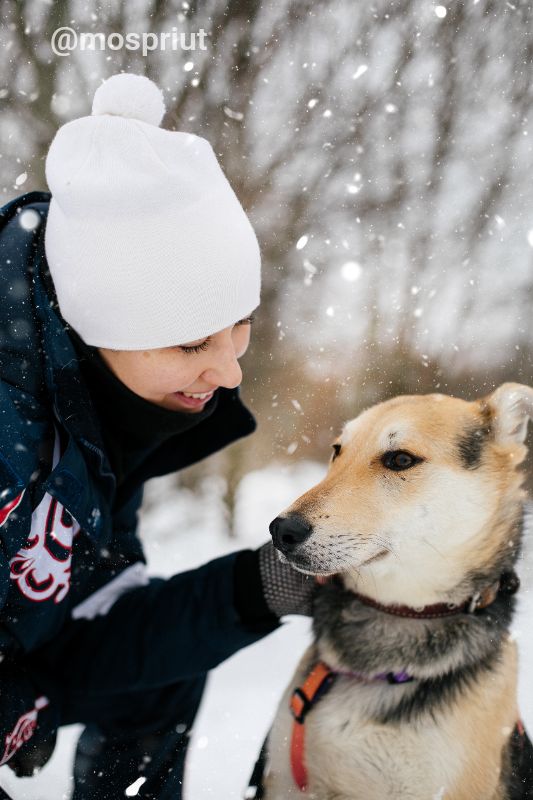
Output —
<point x="382" y="151"/>
<point x="182" y="530"/>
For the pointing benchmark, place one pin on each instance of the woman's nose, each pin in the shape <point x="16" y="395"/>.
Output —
<point x="226" y="370"/>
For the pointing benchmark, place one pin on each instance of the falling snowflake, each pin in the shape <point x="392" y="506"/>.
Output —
<point x="133" y="789"/>
<point x="359" y="71"/>
<point x="29" y="219"/>
<point x="351" y="271"/>
<point x="233" y="114"/>
<point x="302" y="241"/>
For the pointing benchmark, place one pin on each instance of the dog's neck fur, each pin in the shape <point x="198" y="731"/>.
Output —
<point x="350" y="635"/>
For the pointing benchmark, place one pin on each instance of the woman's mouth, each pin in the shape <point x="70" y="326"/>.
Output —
<point x="194" y="399"/>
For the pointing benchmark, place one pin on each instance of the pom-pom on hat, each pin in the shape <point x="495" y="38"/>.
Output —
<point x="132" y="96"/>
<point x="147" y="243"/>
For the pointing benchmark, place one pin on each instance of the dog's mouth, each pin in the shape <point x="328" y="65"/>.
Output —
<point x="323" y="576"/>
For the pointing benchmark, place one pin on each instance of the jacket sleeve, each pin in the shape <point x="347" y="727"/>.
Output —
<point x="121" y="565"/>
<point x="124" y="637"/>
<point x="27" y="715"/>
<point x="158" y="634"/>
<point x="26" y="712"/>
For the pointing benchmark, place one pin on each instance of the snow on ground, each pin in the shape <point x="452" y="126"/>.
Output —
<point x="181" y="531"/>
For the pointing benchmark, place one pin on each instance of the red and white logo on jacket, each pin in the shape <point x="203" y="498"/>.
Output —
<point x="9" y="507"/>
<point x="41" y="569"/>
<point x="23" y="730"/>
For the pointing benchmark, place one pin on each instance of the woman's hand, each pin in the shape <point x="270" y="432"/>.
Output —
<point x="286" y="590"/>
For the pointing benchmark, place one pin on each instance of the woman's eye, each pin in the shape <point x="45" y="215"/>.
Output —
<point x="336" y="451"/>
<point x="197" y="348"/>
<point x="398" y="460"/>
<point x="194" y="348"/>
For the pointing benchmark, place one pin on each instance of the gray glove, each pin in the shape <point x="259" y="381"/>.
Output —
<point x="286" y="590"/>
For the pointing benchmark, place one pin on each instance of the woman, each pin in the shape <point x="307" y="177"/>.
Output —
<point x="128" y="295"/>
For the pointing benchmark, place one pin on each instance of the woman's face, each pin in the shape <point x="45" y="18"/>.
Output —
<point x="166" y="375"/>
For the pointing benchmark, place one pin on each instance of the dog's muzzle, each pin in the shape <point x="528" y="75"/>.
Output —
<point x="290" y="532"/>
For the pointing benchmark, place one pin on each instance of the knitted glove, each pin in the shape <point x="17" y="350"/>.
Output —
<point x="286" y="590"/>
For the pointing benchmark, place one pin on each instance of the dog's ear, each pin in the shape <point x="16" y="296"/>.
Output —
<point x="510" y="406"/>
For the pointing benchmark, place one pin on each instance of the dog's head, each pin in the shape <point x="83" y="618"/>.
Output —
<point x="420" y="492"/>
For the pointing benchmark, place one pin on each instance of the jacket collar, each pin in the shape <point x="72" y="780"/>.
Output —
<point x="22" y="383"/>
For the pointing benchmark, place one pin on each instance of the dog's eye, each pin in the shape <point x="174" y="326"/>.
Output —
<point x="398" y="460"/>
<point x="336" y="451"/>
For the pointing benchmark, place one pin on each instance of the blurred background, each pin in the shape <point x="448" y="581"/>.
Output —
<point x="382" y="151"/>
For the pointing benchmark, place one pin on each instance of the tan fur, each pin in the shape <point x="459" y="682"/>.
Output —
<point x="449" y="758"/>
<point x="434" y="524"/>
<point x="482" y="723"/>
<point x="365" y="509"/>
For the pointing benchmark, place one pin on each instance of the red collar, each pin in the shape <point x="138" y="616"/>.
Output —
<point x="507" y="583"/>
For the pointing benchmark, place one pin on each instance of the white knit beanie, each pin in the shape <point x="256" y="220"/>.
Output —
<point x="147" y="243"/>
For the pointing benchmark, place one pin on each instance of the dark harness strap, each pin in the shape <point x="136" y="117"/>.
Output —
<point x="256" y="788"/>
<point x="521" y="764"/>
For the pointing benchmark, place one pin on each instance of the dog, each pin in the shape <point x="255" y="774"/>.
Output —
<point x="409" y="689"/>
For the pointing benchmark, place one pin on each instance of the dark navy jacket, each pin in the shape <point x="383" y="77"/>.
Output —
<point x="65" y="532"/>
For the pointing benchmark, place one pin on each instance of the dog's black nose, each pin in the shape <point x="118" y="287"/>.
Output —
<point x="288" y="532"/>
